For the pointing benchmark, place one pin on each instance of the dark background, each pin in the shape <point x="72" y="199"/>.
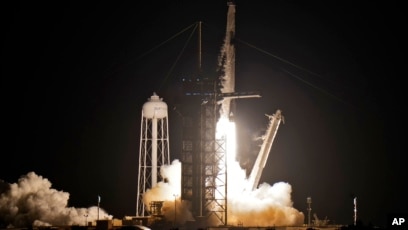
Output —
<point x="75" y="76"/>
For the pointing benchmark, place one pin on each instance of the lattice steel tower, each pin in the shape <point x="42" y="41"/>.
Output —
<point x="154" y="147"/>
<point x="203" y="155"/>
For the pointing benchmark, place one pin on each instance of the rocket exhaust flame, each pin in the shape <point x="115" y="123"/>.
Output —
<point x="271" y="205"/>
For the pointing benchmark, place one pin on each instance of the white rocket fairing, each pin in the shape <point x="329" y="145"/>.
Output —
<point x="227" y="60"/>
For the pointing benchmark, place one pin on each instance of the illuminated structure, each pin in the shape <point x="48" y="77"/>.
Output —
<point x="154" y="147"/>
<point x="203" y="156"/>
<point x="203" y="178"/>
<point x="199" y="163"/>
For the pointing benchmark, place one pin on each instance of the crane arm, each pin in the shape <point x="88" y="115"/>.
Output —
<point x="274" y="121"/>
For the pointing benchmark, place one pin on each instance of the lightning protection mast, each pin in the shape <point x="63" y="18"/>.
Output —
<point x="355" y="211"/>
<point x="309" y="209"/>
<point x="154" y="147"/>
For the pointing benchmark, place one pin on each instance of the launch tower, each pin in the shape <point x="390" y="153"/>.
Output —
<point x="203" y="155"/>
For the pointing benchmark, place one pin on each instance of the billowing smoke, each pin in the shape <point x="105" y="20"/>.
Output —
<point x="32" y="202"/>
<point x="265" y="206"/>
<point x="169" y="191"/>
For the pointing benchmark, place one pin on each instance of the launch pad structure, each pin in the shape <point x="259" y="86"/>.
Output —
<point x="203" y="154"/>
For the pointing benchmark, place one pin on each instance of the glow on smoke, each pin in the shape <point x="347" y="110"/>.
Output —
<point x="265" y="206"/>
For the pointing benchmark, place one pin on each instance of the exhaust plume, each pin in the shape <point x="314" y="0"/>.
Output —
<point x="265" y="205"/>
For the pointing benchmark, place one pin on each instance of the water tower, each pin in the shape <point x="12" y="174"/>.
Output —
<point x="154" y="147"/>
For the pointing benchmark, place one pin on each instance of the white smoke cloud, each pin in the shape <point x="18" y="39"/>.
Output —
<point x="32" y="202"/>
<point x="169" y="192"/>
<point x="266" y="206"/>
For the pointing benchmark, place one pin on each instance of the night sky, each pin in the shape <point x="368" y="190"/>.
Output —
<point x="75" y="77"/>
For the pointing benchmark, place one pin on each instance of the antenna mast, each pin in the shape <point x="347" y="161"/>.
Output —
<point x="309" y="209"/>
<point x="355" y="210"/>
